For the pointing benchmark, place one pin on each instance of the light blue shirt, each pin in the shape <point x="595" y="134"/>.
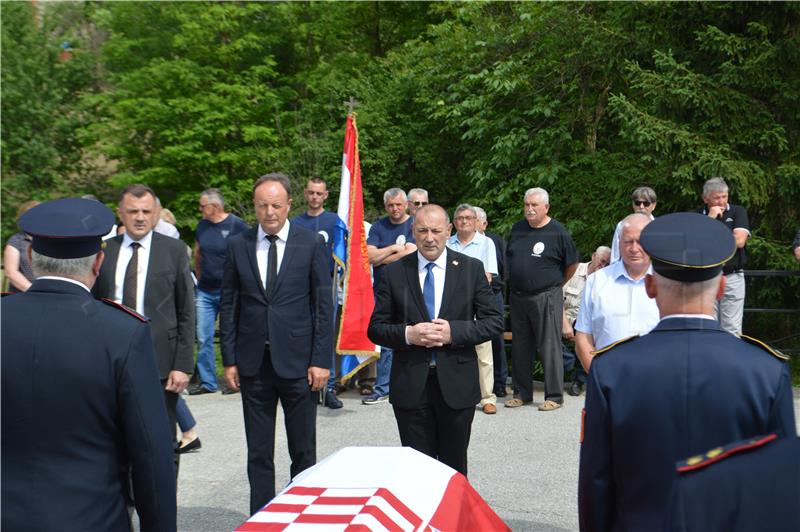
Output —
<point x="614" y="306"/>
<point x="480" y="247"/>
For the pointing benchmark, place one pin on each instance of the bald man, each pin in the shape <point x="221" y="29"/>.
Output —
<point x="432" y="307"/>
<point x="615" y="305"/>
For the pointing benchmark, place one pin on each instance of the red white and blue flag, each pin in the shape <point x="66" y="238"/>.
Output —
<point x="377" y="489"/>
<point x="350" y="253"/>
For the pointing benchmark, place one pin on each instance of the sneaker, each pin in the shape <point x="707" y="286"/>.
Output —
<point x="374" y="399"/>
<point x="331" y="401"/>
<point x="199" y="390"/>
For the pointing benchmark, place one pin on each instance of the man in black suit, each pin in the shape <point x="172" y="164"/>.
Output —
<point x="81" y="402"/>
<point x="433" y="307"/>
<point x="149" y="272"/>
<point x="276" y="332"/>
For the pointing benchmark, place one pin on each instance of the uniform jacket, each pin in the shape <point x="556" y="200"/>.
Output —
<point x="749" y="486"/>
<point x="81" y="404"/>
<point x="297" y="317"/>
<point x="684" y="388"/>
<point x="467" y="303"/>
<point x="168" y="300"/>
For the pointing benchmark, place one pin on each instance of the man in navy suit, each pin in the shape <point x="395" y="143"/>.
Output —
<point x="276" y="332"/>
<point x="81" y="401"/>
<point x="433" y="307"/>
<point x="149" y="273"/>
<point x="684" y="388"/>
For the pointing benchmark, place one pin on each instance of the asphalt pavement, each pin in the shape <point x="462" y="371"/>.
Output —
<point x="523" y="462"/>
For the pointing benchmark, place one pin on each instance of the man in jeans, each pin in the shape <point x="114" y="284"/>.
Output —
<point x="390" y="239"/>
<point x="211" y="251"/>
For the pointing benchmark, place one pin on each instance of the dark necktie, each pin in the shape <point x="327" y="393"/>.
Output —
<point x="272" y="264"/>
<point x="131" y="277"/>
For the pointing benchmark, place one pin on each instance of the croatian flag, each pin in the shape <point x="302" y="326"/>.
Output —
<point x="350" y="253"/>
<point x="390" y="489"/>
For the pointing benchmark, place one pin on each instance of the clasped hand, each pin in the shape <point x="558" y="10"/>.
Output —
<point x="434" y="333"/>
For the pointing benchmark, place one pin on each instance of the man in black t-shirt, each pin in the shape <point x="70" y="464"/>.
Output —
<point x="541" y="258"/>
<point x="730" y="309"/>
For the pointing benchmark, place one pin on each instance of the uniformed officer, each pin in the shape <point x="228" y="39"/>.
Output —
<point x="83" y="415"/>
<point x="650" y="400"/>
<point x="750" y="485"/>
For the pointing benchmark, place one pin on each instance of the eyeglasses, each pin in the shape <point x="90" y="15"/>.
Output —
<point x="419" y="203"/>
<point x="204" y="205"/>
<point x="464" y="218"/>
<point x="640" y="203"/>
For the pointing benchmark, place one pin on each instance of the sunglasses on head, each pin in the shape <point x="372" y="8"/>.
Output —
<point x="640" y="203"/>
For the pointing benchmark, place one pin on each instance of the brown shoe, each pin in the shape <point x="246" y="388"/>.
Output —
<point x="549" y="405"/>
<point x="489" y="408"/>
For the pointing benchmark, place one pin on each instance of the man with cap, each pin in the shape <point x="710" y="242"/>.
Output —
<point x="648" y="399"/>
<point x="85" y="369"/>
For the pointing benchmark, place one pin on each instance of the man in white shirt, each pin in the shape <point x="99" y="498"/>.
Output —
<point x="470" y="242"/>
<point x="615" y="305"/>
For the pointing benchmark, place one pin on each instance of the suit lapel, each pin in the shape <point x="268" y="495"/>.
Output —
<point x="110" y="266"/>
<point x="451" y="275"/>
<point x="411" y="265"/>
<point x="288" y="254"/>
<point x="250" y="250"/>
<point x="154" y="265"/>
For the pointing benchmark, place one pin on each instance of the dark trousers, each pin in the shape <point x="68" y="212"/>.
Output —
<point x="499" y="351"/>
<point x="171" y="402"/>
<point x="536" y="326"/>
<point x="260" y="395"/>
<point x="571" y="361"/>
<point x="435" y="429"/>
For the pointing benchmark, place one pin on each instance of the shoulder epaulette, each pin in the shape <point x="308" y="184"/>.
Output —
<point x="758" y="343"/>
<point x="615" y="344"/>
<point x="125" y="309"/>
<point x="720" y="453"/>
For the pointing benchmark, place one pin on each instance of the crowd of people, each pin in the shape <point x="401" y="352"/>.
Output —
<point x="670" y="285"/>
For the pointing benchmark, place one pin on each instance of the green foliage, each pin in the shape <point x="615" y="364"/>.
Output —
<point x="476" y="102"/>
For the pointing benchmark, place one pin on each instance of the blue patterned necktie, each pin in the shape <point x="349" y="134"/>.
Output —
<point x="429" y="295"/>
<point x="429" y="291"/>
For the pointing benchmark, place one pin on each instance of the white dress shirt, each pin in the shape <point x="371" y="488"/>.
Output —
<point x="439" y="271"/>
<point x="67" y="279"/>
<point x="262" y="250"/>
<point x="614" y="306"/>
<point x="125" y="254"/>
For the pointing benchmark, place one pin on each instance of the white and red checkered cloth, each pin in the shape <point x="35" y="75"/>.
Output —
<point x="377" y="489"/>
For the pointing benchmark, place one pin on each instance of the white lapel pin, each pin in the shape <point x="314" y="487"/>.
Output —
<point x="455" y="263"/>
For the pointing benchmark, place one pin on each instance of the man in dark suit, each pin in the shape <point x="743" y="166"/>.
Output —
<point x="81" y="402"/>
<point x="433" y="307"/>
<point x="650" y="400"/>
<point x="149" y="272"/>
<point x="276" y="332"/>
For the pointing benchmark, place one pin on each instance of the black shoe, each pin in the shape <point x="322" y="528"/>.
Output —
<point x="199" y="390"/>
<point x="192" y="446"/>
<point x="500" y="391"/>
<point x="331" y="401"/>
<point x="229" y="391"/>
<point x="574" y="389"/>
